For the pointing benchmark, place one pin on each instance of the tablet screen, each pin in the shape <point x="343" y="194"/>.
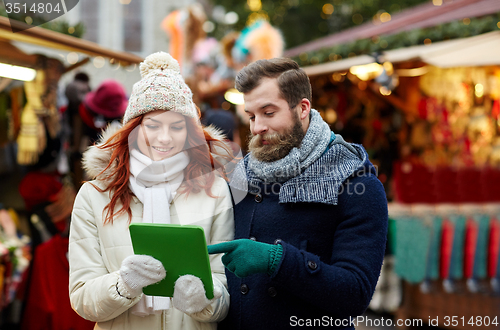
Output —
<point x="181" y="249"/>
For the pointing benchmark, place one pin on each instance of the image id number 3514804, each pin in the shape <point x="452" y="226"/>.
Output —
<point x="473" y="321"/>
<point x="35" y="8"/>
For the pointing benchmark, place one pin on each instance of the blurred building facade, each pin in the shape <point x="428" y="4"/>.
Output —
<point x="124" y="25"/>
<point x="128" y="25"/>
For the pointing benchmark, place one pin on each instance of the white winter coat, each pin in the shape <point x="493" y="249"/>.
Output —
<point x="96" y="252"/>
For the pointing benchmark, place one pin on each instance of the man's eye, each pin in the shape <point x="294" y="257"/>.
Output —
<point x="269" y="114"/>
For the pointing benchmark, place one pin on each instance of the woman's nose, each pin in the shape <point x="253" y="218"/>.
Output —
<point x="164" y="136"/>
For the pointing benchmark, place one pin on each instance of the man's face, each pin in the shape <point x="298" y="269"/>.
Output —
<point x="275" y="129"/>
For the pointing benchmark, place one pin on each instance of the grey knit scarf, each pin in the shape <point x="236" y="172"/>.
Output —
<point x="312" y="147"/>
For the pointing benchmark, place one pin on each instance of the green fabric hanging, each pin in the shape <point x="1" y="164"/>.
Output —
<point x="480" y="258"/>
<point x="457" y="254"/>
<point x="433" y="258"/>
<point x="413" y="238"/>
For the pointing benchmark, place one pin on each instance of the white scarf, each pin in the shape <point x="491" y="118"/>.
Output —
<point x="155" y="183"/>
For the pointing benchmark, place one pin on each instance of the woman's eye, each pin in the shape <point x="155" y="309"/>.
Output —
<point x="151" y="126"/>
<point x="252" y="118"/>
<point x="177" y="128"/>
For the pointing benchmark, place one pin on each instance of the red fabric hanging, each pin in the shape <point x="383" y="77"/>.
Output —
<point x="494" y="248"/>
<point x="446" y="247"/>
<point x="471" y="234"/>
<point x="47" y="303"/>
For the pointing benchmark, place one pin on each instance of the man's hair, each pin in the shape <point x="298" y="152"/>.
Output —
<point x="293" y="82"/>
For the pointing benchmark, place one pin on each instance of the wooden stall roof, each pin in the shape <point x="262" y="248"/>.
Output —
<point x="51" y="39"/>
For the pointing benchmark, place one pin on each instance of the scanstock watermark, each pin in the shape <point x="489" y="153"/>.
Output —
<point x="328" y="321"/>
<point x="351" y="186"/>
<point x="27" y="14"/>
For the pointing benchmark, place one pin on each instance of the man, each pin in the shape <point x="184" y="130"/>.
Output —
<point x="310" y="234"/>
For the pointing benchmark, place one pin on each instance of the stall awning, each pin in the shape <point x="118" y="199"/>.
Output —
<point x="422" y="16"/>
<point x="51" y="39"/>
<point x="481" y="50"/>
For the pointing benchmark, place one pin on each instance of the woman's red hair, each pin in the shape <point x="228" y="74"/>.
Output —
<point x="198" y="175"/>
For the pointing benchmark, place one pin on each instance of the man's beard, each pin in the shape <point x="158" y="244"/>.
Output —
<point x="279" y="144"/>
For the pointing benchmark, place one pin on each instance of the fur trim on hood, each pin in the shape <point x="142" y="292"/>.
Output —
<point x="96" y="159"/>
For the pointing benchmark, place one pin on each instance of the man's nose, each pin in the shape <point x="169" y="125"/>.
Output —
<point x="259" y="126"/>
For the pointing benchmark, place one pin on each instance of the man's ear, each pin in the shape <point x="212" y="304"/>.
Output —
<point x="305" y="108"/>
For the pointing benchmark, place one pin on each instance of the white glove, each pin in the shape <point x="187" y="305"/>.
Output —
<point x="189" y="295"/>
<point x="138" y="271"/>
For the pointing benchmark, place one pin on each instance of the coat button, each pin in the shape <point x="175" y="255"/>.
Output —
<point x="272" y="292"/>
<point x="244" y="289"/>
<point x="253" y="239"/>
<point x="277" y="241"/>
<point x="312" y="265"/>
<point x="258" y="198"/>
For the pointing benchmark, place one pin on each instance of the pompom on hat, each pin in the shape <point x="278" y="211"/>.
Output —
<point x="162" y="87"/>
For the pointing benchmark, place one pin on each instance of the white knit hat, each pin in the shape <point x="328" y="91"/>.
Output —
<point x="161" y="88"/>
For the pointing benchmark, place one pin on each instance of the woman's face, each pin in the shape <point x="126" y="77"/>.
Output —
<point x="162" y="134"/>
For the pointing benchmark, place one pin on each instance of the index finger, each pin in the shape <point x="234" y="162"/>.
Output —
<point x="220" y="248"/>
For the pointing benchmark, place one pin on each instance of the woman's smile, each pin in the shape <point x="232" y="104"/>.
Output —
<point x="162" y="149"/>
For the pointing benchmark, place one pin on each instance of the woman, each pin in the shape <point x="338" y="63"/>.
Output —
<point x="158" y="167"/>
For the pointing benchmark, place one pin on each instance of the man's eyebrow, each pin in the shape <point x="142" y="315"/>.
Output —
<point x="267" y="105"/>
<point x="264" y="106"/>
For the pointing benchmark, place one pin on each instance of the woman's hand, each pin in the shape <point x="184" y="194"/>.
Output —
<point x="139" y="271"/>
<point x="189" y="295"/>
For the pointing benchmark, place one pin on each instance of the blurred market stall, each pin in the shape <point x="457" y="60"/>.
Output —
<point x="421" y="91"/>
<point x="36" y="198"/>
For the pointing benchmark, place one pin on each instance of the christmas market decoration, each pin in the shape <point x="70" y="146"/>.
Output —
<point x="442" y="32"/>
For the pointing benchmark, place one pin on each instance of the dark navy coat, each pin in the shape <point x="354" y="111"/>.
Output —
<point x="332" y="255"/>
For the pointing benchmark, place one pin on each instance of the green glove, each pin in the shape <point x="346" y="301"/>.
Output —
<point x="245" y="257"/>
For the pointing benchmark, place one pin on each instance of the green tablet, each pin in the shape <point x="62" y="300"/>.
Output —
<point x="181" y="249"/>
